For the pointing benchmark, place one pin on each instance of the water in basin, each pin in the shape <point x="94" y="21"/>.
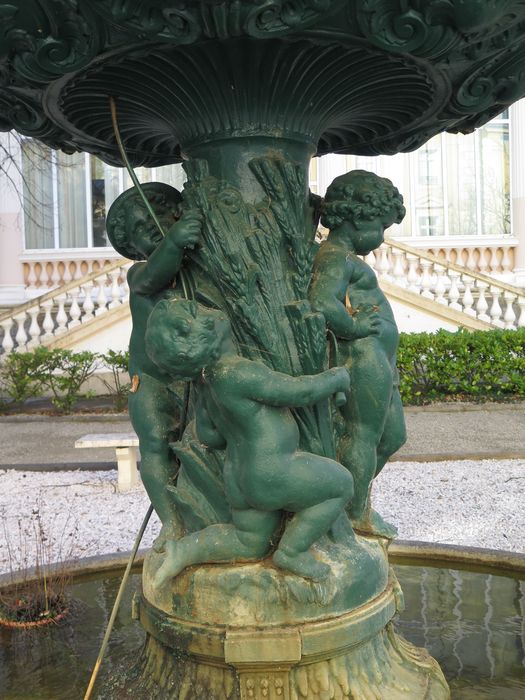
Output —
<point x="472" y="622"/>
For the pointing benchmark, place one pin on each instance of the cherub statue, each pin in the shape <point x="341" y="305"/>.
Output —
<point x="243" y="407"/>
<point x="358" y="207"/>
<point x="152" y="405"/>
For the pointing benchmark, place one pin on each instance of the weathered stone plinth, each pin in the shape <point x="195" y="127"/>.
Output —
<point x="225" y="632"/>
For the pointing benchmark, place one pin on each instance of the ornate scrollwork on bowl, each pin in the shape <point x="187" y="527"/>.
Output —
<point x="492" y="88"/>
<point x="433" y="29"/>
<point x="181" y="23"/>
<point x="48" y="39"/>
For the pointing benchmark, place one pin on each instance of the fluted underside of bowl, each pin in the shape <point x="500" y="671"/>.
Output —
<point x="364" y="77"/>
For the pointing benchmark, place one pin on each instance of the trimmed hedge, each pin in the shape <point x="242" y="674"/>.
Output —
<point x="468" y="366"/>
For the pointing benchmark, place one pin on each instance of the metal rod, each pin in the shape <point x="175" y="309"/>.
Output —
<point x="116" y="605"/>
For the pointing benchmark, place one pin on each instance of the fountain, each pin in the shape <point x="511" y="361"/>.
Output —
<point x="270" y="577"/>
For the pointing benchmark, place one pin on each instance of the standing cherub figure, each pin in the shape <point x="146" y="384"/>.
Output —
<point x="152" y="405"/>
<point x="243" y="407"/>
<point x="358" y="207"/>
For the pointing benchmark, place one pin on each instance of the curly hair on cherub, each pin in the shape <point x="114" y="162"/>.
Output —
<point x="361" y="196"/>
<point x="181" y="337"/>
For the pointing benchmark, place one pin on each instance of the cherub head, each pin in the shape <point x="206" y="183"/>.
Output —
<point x="183" y="337"/>
<point x="366" y="203"/>
<point x="131" y="229"/>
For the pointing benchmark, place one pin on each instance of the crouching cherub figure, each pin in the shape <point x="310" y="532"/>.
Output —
<point x="243" y="407"/>
<point x="358" y="207"/>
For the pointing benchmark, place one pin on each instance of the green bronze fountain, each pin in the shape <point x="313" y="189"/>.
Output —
<point x="270" y="576"/>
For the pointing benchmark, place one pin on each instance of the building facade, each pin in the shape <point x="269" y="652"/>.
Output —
<point x="465" y="198"/>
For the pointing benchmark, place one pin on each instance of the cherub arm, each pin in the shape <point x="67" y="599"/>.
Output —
<point x="333" y="271"/>
<point x="262" y="384"/>
<point x="158" y="271"/>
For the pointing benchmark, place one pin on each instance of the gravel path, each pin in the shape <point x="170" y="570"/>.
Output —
<point x="472" y="503"/>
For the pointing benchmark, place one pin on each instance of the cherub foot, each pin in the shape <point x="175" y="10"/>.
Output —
<point x="172" y="565"/>
<point x="169" y="531"/>
<point x="301" y="563"/>
<point x="373" y="524"/>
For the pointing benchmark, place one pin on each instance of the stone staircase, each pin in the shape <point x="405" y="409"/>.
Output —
<point x="64" y="316"/>
<point x="453" y="295"/>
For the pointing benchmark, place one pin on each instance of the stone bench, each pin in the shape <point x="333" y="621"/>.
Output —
<point x="125" y="445"/>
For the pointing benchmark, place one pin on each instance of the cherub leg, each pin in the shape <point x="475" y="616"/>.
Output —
<point x="248" y="537"/>
<point x="152" y="413"/>
<point x="365" y="414"/>
<point x="394" y="434"/>
<point x="322" y="489"/>
<point x="393" y="437"/>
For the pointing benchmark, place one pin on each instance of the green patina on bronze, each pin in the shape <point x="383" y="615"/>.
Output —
<point x="289" y="347"/>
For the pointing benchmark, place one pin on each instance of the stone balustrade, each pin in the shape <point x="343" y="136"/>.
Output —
<point x="70" y="305"/>
<point x="45" y="270"/>
<point x="449" y="284"/>
<point x="494" y="256"/>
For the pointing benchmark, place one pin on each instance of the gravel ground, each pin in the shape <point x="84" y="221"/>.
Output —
<point x="472" y="503"/>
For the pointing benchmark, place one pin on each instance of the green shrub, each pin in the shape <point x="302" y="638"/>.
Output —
<point x="64" y="372"/>
<point x="118" y="389"/>
<point x="468" y="365"/>
<point x="20" y="377"/>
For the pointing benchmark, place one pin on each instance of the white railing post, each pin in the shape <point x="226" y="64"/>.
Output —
<point x="468" y="299"/>
<point x="426" y="279"/>
<point x="481" y="305"/>
<point x="74" y="308"/>
<point x="398" y="271"/>
<point x="496" y="312"/>
<point x="521" y="319"/>
<point x="48" y="325"/>
<point x="510" y="315"/>
<point x="7" y="341"/>
<point x="34" y="328"/>
<point x="441" y="285"/>
<point x="61" y="317"/>
<point x="21" y="335"/>
<point x="87" y="304"/>
<point x="454" y="293"/>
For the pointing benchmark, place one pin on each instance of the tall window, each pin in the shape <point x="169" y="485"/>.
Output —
<point x="66" y="197"/>
<point x="453" y="186"/>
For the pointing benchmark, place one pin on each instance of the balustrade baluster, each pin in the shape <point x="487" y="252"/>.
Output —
<point x="441" y="285"/>
<point x="398" y="271"/>
<point x="21" y="335"/>
<point x="55" y="275"/>
<point x="482" y="263"/>
<point x="61" y="317"/>
<point x="468" y="299"/>
<point x="74" y="308"/>
<point x="7" y="341"/>
<point x="48" y="324"/>
<point x="426" y="278"/>
<point x="506" y="261"/>
<point x="454" y="293"/>
<point x="115" y="288"/>
<point x="496" y="312"/>
<point x="67" y="276"/>
<point x="521" y="319"/>
<point x="412" y="275"/>
<point x="510" y="314"/>
<point x="101" y="299"/>
<point x="383" y="263"/>
<point x="88" y="304"/>
<point x="494" y="260"/>
<point x="34" y="327"/>
<point x="471" y="259"/>
<point x="481" y="305"/>
<point x="31" y="277"/>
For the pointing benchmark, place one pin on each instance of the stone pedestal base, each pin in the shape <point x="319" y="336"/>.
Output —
<point x="302" y="663"/>
<point x="255" y="632"/>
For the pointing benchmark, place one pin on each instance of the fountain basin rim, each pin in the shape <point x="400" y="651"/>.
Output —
<point x="495" y="561"/>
